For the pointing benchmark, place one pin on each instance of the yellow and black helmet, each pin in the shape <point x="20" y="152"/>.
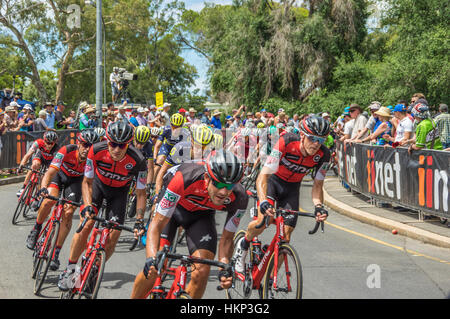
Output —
<point x="217" y="144"/>
<point x="142" y="134"/>
<point x="261" y="125"/>
<point x="177" y="119"/>
<point x="202" y="135"/>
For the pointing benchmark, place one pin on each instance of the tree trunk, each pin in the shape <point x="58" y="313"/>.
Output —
<point x="63" y="72"/>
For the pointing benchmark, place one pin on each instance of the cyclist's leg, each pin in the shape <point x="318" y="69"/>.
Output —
<point x="290" y="200"/>
<point x="72" y="190"/>
<point x="201" y="237"/>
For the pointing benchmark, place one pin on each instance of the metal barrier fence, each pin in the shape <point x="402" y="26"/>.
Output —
<point x="418" y="181"/>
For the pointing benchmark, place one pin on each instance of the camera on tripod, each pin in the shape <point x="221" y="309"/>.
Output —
<point x="124" y="75"/>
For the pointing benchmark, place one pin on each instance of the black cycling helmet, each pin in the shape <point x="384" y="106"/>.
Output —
<point x="119" y="132"/>
<point x="224" y="167"/>
<point x="88" y="136"/>
<point x="50" y="136"/>
<point x="315" y="125"/>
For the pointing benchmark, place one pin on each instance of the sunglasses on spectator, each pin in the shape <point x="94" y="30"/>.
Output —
<point x="115" y="145"/>
<point x="219" y="185"/>
<point x="314" y="138"/>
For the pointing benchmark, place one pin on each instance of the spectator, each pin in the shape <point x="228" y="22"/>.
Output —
<point x="258" y="118"/>
<point x="229" y="122"/>
<point x="85" y="120"/>
<point x="133" y="120"/>
<point x="443" y="124"/>
<point x="249" y="117"/>
<point x="348" y="124"/>
<point x="182" y="111"/>
<point x="280" y="118"/>
<point x="93" y="120"/>
<point x="427" y="133"/>
<point x="190" y="118"/>
<point x="151" y="117"/>
<point x="71" y="120"/>
<point x="11" y="118"/>
<point x="26" y="122"/>
<point x="405" y="127"/>
<point x="417" y="96"/>
<point x="140" y="117"/>
<point x="325" y="115"/>
<point x="122" y="115"/>
<point x="371" y="123"/>
<point x="264" y="116"/>
<point x="215" y="121"/>
<point x="110" y="107"/>
<point x="50" y="121"/>
<point x="384" y="127"/>
<point x="360" y="120"/>
<point x="61" y="121"/>
<point x="40" y="124"/>
<point x="296" y="120"/>
<point x="206" y="117"/>
<point x="165" y="118"/>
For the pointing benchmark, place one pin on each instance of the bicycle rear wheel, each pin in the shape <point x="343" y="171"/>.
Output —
<point x="44" y="261"/>
<point x="21" y="204"/>
<point x="94" y="277"/>
<point x="289" y="282"/>
<point x="243" y="284"/>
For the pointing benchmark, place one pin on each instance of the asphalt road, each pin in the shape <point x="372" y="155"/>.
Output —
<point x="351" y="260"/>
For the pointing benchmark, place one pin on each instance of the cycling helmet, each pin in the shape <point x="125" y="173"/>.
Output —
<point x="155" y="131"/>
<point x="50" y="136"/>
<point x="224" y="167"/>
<point x="119" y="132"/>
<point x="142" y="134"/>
<point x="88" y="136"/>
<point x="100" y="131"/>
<point x="246" y="132"/>
<point x="177" y="119"/>
<point x="217" y="143"/>
<point x="315" y="125"/>
<point x="272" y="130"/>
<point x="202" y="135"/>
<point x="261" y="125"/>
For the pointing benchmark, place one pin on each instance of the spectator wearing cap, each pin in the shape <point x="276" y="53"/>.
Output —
<point x="443" y="124"/>
<point x="61" y="121"/>
<point x="141" y="117"/>
<point x="165" y="117"/>
<point x="206" y="116"/>
<point x="348" y="125"/>
<point x="404" y="129"/>
<point x="40" y="123"/>
<point x="133" y="120"/>
<point x="50" y="121"/>
<point x="26" y="122"/>
<point x="427" y="133"/>
<point x="183" y="112"/>
<point x="190" y="118"/>
<point x="11" y="118"/>
<point x="122" y="114"/>
<point x="215" y="120"/>
<point x="325" y="115"/>
<point x="230" y="122"/>
<point x="264" y="116"/>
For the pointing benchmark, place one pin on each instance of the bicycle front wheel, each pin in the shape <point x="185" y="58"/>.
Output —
<point x="21" y="204"/>
<point x="46" y="258"/>
<point x="289" y="281"/>
<point x="94" y="277"/>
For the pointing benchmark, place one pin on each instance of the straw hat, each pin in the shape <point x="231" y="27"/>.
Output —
<point x="216" y="113"/>
<point x="89" y="110"/>
<point x="192" y="110"/>
<point x="384" y="111"/>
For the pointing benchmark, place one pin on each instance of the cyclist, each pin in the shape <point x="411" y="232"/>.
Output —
<point x="41" y="152"/>
<point x="217" y="142"/>
<point x="65" y="172"/>
<point x="183" y="152"/>
<point x="143" y="142"/>
<point x="101" y="133"/>
<point x="190" y="200"/>
<point x="169" y="136"/>
<point x="279" y="180"/>
<point x="110" y="167"/>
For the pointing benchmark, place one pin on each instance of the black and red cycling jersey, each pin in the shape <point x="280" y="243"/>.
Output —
<point x="39" y="146"/>
<point x="66" y="160"/>
<point x="188" y="188"/>
<point x="100" y="165"/>
<point x="289" y="164"/>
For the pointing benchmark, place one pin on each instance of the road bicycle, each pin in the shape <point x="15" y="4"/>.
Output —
<point x="132" y="199"/>
<point x="274" y="270"/>
<point x="46" y="242"/>
<point x="28" y="195"/>
<point x="87" y="281"/>
<point x="249" y="181"/>
<point x="177" y="289"/>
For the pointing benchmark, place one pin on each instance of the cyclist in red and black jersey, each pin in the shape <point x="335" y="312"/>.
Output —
<point x="41" y="153"/>
<point x="65" y="172"/>
<point x="110" y="167"/>
<point x="190" y="200"/>
<point x="290" y="160"/>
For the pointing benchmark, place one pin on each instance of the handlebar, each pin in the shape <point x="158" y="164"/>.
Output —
<point x="30" y="169"/>
<point x="281" y="211"/>
<point x="63" y="200"/>
<point x="112" y="223"/>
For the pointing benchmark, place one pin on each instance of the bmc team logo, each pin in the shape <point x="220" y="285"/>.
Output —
<point x="169" y="200"/>
<point x="129" y="166"/>
<point x="316" y="158"/>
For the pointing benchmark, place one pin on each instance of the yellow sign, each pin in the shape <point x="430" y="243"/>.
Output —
<point x="159" y="99"/>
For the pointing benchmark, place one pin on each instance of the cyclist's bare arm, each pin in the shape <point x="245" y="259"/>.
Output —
<point x="86" y="190"/>
<point x="160" y="176"/>
<point x="317" y="196"/>
<point x="51" y="172"/>
<point x="150" y="171"/>
<point x="261" y="183"/>
<point x="155" y="230"/>
<point x="27" y="156"/>
<point x="226" y="246"/>
<point x="157" y="147"/>
<point x="141" y="203"/>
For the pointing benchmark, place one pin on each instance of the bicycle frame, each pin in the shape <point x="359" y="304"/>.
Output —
<point x="56" y="216"/>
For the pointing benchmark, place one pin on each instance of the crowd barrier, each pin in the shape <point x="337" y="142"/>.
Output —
<point x="16" y="145"/>
<point x="418" y="180"/>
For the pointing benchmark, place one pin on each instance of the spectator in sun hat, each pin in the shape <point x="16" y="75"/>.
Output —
<point x="405" y="128"/>
<point x="190" y="118"/>
<point x="384" y="127"/>
<point x="140" y="117"/>
<point x="360" y="120"/>
<point x="215" y="120"/>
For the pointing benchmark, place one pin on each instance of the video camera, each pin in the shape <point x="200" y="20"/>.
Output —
<point x="125" y="75"/>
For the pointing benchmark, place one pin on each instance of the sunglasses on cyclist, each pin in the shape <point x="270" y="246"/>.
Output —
<point x="314" y="139"/>
<point x="219" y="185"/>
<point x="86" y="145"/>
<point x="50" y="143"/>
<point x="115" y="145"/>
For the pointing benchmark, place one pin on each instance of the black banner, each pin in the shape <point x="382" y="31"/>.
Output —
<point x="418" y="180"/>
<point x="16" y="144"/>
